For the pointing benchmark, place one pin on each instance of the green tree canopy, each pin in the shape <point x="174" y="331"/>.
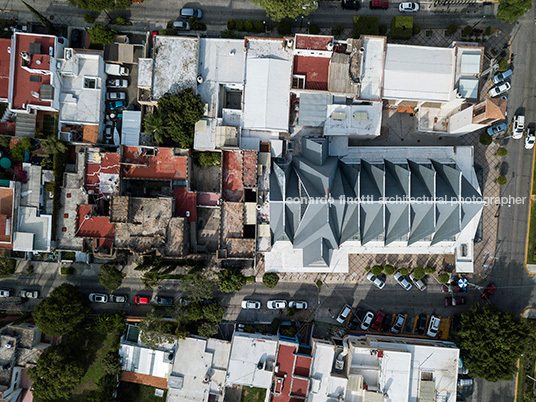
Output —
<point x="208" y="329"/>
<point x="42" y="19"/>
<point x="280" y="9"/>
<point x="206" y="159"/>
<point x="197" y="287"/>
<point x="99" y="5"/>
<point x="213" y="312"/>
<point x="491" y="340"/>
<point x="154" y="331"/>
<point x="62" y="312"/>
<point x="511" y="10"/>
<point x="57" y="373"/>
<point x="52" y="145"/>
<point x="110" y="277"/>
<point x="101" y="34"/>
<point x="231" y="280"/>
<point x="270" y="280"/>
<point x="154" y="124"/>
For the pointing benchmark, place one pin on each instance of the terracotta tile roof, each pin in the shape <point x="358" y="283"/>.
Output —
<point x="250" y="168"/>
<point x="109" y="165"/>
<point x="208" y="199"/>
<point x="233" y="188"/>
<point x="185" y="201"/>
<point x="291" y="365"/>
<point x="5" y="57"/>
<point x="313" y="42"/>
<point x="6" y="212"/>
<point x="164" y="165"/>
<point x="315" y="69"/>
<point x="496" y="108"/>
<point x="91" y="133"/>
<point x="93" y="226"/>
<point x="144" y="379"/>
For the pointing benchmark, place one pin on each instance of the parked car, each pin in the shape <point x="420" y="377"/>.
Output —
<point x="379" y="5"/>
<point x="465" y="382"/>
<point x="421" y="324"/>
<point x="29" y="294"/>
<point x="501" y="76"/>
<point x="142" y="299"/>
<point x="518" y="127"/>
<point x="398" y="323"/>
<point x="116" y="96"/>
<point x="191" y="12"/>
<point x="116" y="83"/>
<point x="379" y="283"/>
<point x="378" y="320"/>
<point x="499" y="89"/>
<point x="408" y="7"/>
<point x="118" y="104"/>
<point x="351" y="4"/>
<point x="367" y="320"/>
<point x="489" y="291"/>
<point x="118" y="298"/>
<point x="276" y="304"/>
<point x="455" y="301"/>
<point x="496" y="129"/>
<point x="298" y="305"/>
<point x="343" y="315"/>
<point x="5" y="293"/>
<point x="251" y="304"/>
<point x="402" y="281"/>
<point x="450" y="288"/>
<point x="353" y="322"/>
<point x="183" y="301"/>
<point x="433" y="326"/>
<point x="98" y="298"/>
<point x="181" y="25"/>
<point x="109" y="132"/>
<point x="164" y="300"/>
<point x="529" y="139"/>
<point x="419" y="283"/>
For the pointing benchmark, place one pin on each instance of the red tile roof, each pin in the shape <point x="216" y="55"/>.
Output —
<point x="313" y="42"/>
<point x="23" y="88"/>
<point x="185" y="201"/>
<point x="130" y="376"/>
<point x="208" y="199"/>
<point x="233" y="187"/>
<point x="6" y="212"/>
<point x="109" y="164"/>
<point x="250" y="168"/>
<point x="315" y="69"/>
<point x="5" y="57"/>
<point x="93" y="226"/>
<point x="164" y="165"/>
<point x="294" y="372"/>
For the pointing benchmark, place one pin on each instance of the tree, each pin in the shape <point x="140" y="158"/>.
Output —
<point x="99" y="5"/>
<point x="231" y="280"/>
<point x="491" y="340"/>
<point x="429" y="270"/>
<point x="206" y="159"/>
<point x="42" y="19"/>
<point x="62" y="312"/>
<point x="284" y="28"/>
<point x="7" y="267"/>
<point x="110" y="277"/>
<point x="443" y="277"/>
<point x="485" y="139"/>
<point x="403" y="271"/>
<point x="179" y="113"/>
<point x="418" y="273"/>
<point x="366" y="25"/>
<point x="197" y="287"/>
<point x="467" y="31"/>
<point x="58" y="371"/>
<point x="52" y="145"/>
<point x="213" y="312"/>
<point x="376" y="270"/>
<point x="151" y="279"/>
<point x="231" y="24"/>
<point x="208" y="329"/>
<point x="511" y="10"/>
<point x="101" y="34"/>
<point x="88" y="18"/>
<point x="451" y="29"/>
<point x="502" y="151"/>
<point x="503" y="65"/>
<point x="389" y="269"/>
<point x="111" y="363"/>
<point x="501" y="180"/>
<point x="154" y="331"/>
<point x="280" y="9"/>
<point x="314" y="29"/>
<point x="18" y="152"/>
<point x="270" y="280"/>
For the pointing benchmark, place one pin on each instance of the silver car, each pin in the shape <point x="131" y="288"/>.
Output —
<point x="499" y="89"/>
<point x="251" y="304"/>
<point x="375" y="280"/>
<point x="298" y="305"/>
<point x="98" y="298"/>
<point x="419" y="283"/>
<point x="402" y="281"/>
<point x="367" y="320"/>
<point x="116" y="96"/>
<point x="433" y="326"/>
<point x="276" y="304"/>
<point x="191" y="12"/>
<point x="29" y="294"/>
<point x="529" y="139"/>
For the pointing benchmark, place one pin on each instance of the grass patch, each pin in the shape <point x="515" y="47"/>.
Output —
<point x="68" y="271"/>
<point x="68" y="255"/>
<point x="527" y="366"/>
<point x="129" y="392"/>
<point x="364" y="25"/>
<point x="252" y="394"/>
<point x="402" y="27"/>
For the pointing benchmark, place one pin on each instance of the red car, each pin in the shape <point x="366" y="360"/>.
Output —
<point x="142" y="300"/>
<point x="450" y="288"/>
<point x="379" y="4"/>
<point x="377" y="322"/>
<point x="488" y="292"/>
<point x="456" y="301"/>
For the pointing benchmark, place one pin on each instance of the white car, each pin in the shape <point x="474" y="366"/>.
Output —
<point x="29" y="294"/>
<point x="529" y="139"/>
<point x="276" y="304"/>
<point x="519" y="127"/>
<point x="98" y="298"/>
<point x="419" y="284"/>
<point x="499" y="89"/>
<point x="408" y="7"/>
<point x="116" y="96"/>
<point x="398" y="324"/>
<point x="402" y="281"/>
<point x="343" y="315"/>
<point x="298" y="305"/>
<point x="251" y="304"/>
<point x="433" y="326"/>
<point x="375" y="280"/>
<point x="117" y="83"/>
<point x="367" y="320"/>
<point x="4" y="293"/>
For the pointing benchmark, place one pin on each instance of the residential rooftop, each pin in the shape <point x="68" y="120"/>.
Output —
<point x="153" y="164"/>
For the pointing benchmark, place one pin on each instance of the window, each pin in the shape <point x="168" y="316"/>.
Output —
<point x="90" y="83"/>
<point x="35" y="78"/>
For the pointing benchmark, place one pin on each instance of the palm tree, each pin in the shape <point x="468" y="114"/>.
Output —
<point x="154" y="124"/>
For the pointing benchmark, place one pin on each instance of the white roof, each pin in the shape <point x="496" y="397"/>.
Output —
<point x="247" y="351"/>
<point x="143" y="360"/>
<point x="324" y="386"/>
<point x="371" y="79"/>
<point x="39" y="226"/>
<point x="267" y="91"/>
<point x="429" y="79"/>
<point x="145" y="73"/>
<point x="131" y="127"/>
<point x="360" y="120"/>
<point x="175" y="64"/>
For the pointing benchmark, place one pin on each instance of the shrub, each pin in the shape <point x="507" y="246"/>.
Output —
<point x="389" y="269"/>
<point x="376" y="270"/>
<point x="291" y="311"/>
<point x="68" y="271"/>
<point x="503" y="65"/>
<point x="250" y="279"/>
<point x="319" y="284"/>
<point x="366" y="25"/>
<point x="270" y="280"/>
<point x="248" y="26"/>
<point x="501" y="180"/>
<point x="231" y="24"/>
<point x="382" y="30"/>
<point x="7" y="267"/>
<point x="418" y="273"/>
<point x="231" y="281"/>
<point x="451" y="29"/>
<point x="101" y="34"/>
<point x="429" y="270"/>
<point x="488" y="31"/>
<point x="206" y="159"/>
<point x="167" y="32"/>
<point x="403" y="271"/>
<point x="485" y="139"/>
<point x="337" y="30"/>
<point x="467" y="31"/>
<point x="502" y="151"/>
<point x="402" y="27"/>
<point x="367" y="269"/>
<point x="239" y="25"/>
<point x="119" y="21"/>
<point x="110" y="277"/>
<point x="284" y="28"/>
<point x="314" y="29"/>
<point x="443" y="277"/>
<point x="259" y="27"/>
<point x="416" y="29"/>
<point x="230" y="34"/>
<point x="89" y="18"/>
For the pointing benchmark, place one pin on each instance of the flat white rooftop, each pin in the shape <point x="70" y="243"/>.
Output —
<point x="143" y="360"/>
<point x="373" y="58"/>
<point x="363" y="120"/>
<point x="324" y="386"/>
